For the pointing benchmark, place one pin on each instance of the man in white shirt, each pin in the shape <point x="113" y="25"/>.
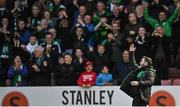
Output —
<point x="33" y="43"/>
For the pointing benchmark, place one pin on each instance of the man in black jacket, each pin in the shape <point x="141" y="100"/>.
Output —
<point x="115" y="44"/>
<point x="65" y="74"/>
<point x="100" y="58"/>
<point x="131" y="29"/>
<point x="137" y="83"/>
<point x="40" y="68"/>
<point x="51" y="48"/>
<point x="122" y="68"/>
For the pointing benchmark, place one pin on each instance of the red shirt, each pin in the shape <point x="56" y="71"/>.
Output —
<point x="87" y="78"/>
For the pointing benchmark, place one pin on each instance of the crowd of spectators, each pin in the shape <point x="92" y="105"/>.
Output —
<point x="85" y="42"/>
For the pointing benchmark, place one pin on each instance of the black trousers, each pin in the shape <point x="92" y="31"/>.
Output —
<point x="161" y="66"/>
<point x="139" y="102"/>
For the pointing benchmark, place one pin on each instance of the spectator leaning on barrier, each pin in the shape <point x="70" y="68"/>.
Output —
<point x="88" y="77"/>
<point x="17" y="73"/>
<point x="104" y="78"/>
<point x="137" y="83"/>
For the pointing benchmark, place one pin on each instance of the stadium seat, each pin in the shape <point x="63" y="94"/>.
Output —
<point x="172" y="73"/>
<point x="176" y="82"/>
<point x="178" y="73"/>
<point x="166" y="82"/>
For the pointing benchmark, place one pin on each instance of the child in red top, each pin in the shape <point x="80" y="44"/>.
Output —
<point x="88" y="77"/>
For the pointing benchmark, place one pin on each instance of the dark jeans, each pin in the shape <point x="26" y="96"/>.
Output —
<point x="139" y="102"/>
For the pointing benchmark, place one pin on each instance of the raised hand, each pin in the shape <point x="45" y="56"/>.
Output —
<point x="132" y="48"/>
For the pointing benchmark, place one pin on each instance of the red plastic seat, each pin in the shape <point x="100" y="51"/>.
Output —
<point x="176" y="82"/>
<point x="166" y="82"/>
<point x="172" y="73"/>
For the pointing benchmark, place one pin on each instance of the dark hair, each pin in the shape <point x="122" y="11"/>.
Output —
<point x="35" y="5"/>
<point x="133" y="13"/>
<point x="48" y="33"/>
<point x="22" y="20"/>
<point x="14" y="56"/>
<point x="82" y="5"/>
<point x="79" y="27"/>
<point x="62" y="9"/>
<point x="88" y="14"/>
<point x="101" y="1"/>
<point x="46" y="10"/>
<point x="100" y="45"/>
<point x="78" y="49"/>
<point x="148" y="60"/>
<point x="34" y="34"/>
<point x="125" y="50"/>
<point x="51" y="28"/>
<point x="60" y="56"/>
<point x="116" y="23"/>
<point x="164" y="11"/>
<point x="67" y="53"/>
<point x="103" y="16"/>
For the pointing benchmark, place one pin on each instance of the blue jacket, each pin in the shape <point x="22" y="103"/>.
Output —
<point x="24" y="38"/>
<point x="23" y="72"/>
<point x="104" y="78"/>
